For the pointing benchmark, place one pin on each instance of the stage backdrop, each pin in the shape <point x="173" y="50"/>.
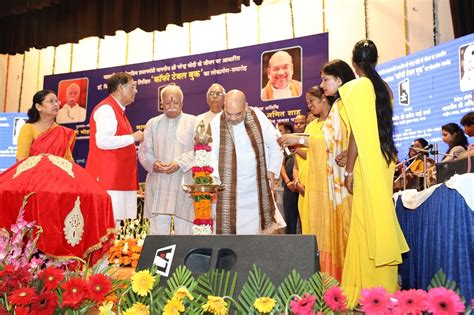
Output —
<point x="10" y="125"/>
<point x="242" y="68"/>
<point x="430" y="88"/>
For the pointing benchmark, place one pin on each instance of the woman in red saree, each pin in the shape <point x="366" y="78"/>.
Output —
<point x="76" y="215"/>
<point x="41" y="134"/>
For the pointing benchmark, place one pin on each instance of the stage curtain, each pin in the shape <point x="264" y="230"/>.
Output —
<point x="143" y="40"/>
<point x="461" y="13"/>
<point x="174" y="42"/>
<point x="112" y="51"/>
<point x="243" y="28"/>
<point x="209" y="35"/>
<point x="68" y="21"/>
<point x="81" y="53"/>
<point x="440" y="233"/>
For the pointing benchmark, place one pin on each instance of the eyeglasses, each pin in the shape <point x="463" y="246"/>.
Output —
<point x="52" y="101"/>
<point x="217" y="94"/>
<point x="131" y="85"/>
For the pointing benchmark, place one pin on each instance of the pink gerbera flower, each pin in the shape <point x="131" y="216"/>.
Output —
<point x="444" y="301"/>
<point x="304" y="305"/>
<point x="335" y="299"/>
<point x="410" y="302"/>
<point x="375" y="301"/>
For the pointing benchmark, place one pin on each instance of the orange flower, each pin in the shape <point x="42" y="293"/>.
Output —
<point x="112" y="298"/>
<point x="126" y="260"/>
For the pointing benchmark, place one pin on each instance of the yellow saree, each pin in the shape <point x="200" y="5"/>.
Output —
<point x="327" y="201"/>
<point x="376" y="241"/>
<point x="313" y="127"/>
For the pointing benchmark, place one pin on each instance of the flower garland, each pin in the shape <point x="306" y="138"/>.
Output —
<point x="201" y="170"/>
<point x="125" y="253"/>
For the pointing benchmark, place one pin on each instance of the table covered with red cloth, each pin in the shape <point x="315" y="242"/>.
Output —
<point x="73" y="210"/>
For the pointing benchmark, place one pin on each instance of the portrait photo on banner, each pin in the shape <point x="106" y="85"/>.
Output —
<point x="281" y="73"/>
<point x="72" y="95"/>
<point x="404" y="92"/>
<point x="466" y="67"/>
<point x="18" y="122"/>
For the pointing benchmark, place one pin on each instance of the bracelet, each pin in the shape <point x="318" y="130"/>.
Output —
<point x="296" y="182"/>
<point x="346" y="174"/>
<point x="286" y="183"/>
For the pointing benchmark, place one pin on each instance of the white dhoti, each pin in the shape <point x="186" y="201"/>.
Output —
<point x="161" y="224"/>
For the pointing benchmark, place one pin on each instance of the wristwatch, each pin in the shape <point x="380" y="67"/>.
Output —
<point x="301" y="141"/>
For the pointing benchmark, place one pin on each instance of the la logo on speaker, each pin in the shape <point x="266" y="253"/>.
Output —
<point x="164" y="259"/>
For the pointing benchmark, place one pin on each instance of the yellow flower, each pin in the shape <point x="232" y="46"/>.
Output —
<point x="182" y="293"/>
<point x="264" y="304"/>
<point x="106" y="308"/>
<point x="137" y="309"/>
<point x="142" y="282"/>
<point x="215" y="305"/>
<point x="140" y="309"/>
<point x="173" y="307"/>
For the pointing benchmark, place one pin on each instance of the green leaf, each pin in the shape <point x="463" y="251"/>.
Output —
<point x="258" y="284"/>
<point x="216" y="282"/>
<point x="440" y="280"/>
<point x="293" y="284"/>
<point x="181" y="277"/>
<point x="318" y="284"/>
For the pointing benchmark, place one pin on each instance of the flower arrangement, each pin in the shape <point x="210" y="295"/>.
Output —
<point x="33" y="283"/>
<point x="214" y="293"/>
<point x="126" y="252"/>
<point x="203" y="222"/>
<point x="54" y="290"/>
<point x="14" y="251"/>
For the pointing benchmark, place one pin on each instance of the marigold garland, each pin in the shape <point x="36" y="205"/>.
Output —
<point x="201" y="171"/>
<point x="125" y="252"/>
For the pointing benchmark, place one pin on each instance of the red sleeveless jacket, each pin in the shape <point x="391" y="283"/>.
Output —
<point x="113" y="169"/>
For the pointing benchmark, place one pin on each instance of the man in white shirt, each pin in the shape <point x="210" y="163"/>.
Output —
<point x="112" y="158"/>
<point x="280" y="78"/>
<point x="246" y="158"/>
<point x="215" y="100"/>
<point x="71" y="112"/>
<point x="167" y="154"/>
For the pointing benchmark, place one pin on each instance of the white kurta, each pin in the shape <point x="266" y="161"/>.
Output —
<point x="248" y="217"/>
<point x="207" y="117"/>
<point x="168" y="140"/>
<point x="68" y="114"/>
<point x="124" y="203"/>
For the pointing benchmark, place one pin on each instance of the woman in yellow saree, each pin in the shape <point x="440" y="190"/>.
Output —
<point x="376" y="241"/>
<point x="327" y="203"/>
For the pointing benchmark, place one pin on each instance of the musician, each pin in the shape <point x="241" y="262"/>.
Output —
<point x="416" y="167"/>
<point x="453" y="135"/>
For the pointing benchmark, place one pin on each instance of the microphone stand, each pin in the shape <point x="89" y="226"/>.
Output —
<point x="435" y="152"/>
<point x="403" y="174"/>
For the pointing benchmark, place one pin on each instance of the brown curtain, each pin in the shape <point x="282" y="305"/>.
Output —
<point x="462" y="14"/>
<point x="42" y="23"/>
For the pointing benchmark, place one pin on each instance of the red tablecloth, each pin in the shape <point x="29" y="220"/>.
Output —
<point x="74" y="211"/>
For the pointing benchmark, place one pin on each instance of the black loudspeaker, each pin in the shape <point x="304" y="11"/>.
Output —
<point x="445" y="170"/>
<point x="275" y="255"/>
